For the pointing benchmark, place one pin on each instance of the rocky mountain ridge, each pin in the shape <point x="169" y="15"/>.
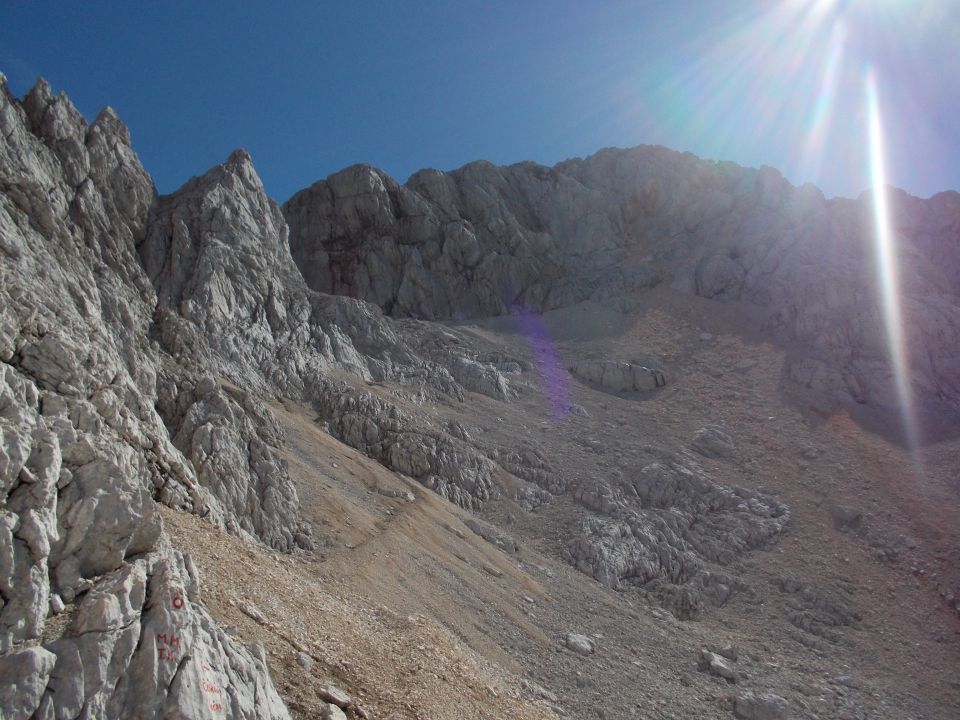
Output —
<point x="142" y="339"/>
<point x="484" y="240"/>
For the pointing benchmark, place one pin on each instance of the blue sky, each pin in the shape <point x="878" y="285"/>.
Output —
<point x="309" y="88"/>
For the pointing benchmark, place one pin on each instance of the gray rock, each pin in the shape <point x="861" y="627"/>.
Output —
<point x="659" y="528"/>
<point x="253" y="612"/>
<point x="719" y="277"/>
<point x="580" y="644"/>
<point x="727" y="651"/>
<point x="714" y="441"/>
<point x="23" y="678"/>
<point x="496" y="537"/>
<point x="83" y="452"/>
<point x="749" y="705"/>
<point x="128" y="322"/>
<point x="329" y="711"/>
<point x="717" y="665"/>
<point x="56" y="604"/>
<point x="847" y="519"/>
<point x="619" y="376"/>
<point x="820" y="612"/>
<point x="483" y="240"/>
<point x="109" y="518"/>
<point x="305" y="661"/>
<point x="338" y="696"/>
<point x="469" y="243"/>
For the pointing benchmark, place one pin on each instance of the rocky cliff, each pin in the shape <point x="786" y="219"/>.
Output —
<point x="486" y="240"/>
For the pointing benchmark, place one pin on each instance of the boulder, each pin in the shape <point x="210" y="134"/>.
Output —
<point x="714" y="441"/>
<point x="750" y="705"/>
<point x="580" y="644"/>
<point x="619" y="376"/>
<point x="717" y="665"/>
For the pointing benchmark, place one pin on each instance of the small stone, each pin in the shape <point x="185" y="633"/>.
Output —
<point x="847" y="519"/>
<point x="579" y="644"/>
<point x="329" y="711"/>
<point x="56" y="604"/>
<point x="717" y="665"/>
<point x="713" y="441"/>
<point x="493" y="571"/>
<point x="305" y="661"/>
<point x="253" y="612"/>
<point x="729" y="652"/>
<point x="760" y="706"/>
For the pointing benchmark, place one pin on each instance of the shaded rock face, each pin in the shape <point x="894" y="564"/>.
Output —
<point x="619" y="376"/>
<point x="484" y="240"/>
<point x="475" y="242"/>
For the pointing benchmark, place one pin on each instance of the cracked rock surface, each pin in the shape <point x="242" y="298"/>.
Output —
<point x="84" y="454"/>
<point x="485" y="240"/>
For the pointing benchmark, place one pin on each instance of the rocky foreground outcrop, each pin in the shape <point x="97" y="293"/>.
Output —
<point x="486" y="240"/>
<point x="85" y="455"/>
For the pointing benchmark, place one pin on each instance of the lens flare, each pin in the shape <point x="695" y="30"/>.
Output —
<point x="822" y="112"/>
<point x="549" y="365"/>
<point x="886" y="258"/>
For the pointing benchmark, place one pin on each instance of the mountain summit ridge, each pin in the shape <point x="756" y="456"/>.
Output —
<point x="485" y="240"/>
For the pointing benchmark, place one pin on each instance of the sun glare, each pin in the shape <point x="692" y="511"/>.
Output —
<point x="886" y="260"/>
<point x="822" y="111"/>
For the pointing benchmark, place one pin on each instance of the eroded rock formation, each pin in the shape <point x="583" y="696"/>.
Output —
<point x="485" y="240"/>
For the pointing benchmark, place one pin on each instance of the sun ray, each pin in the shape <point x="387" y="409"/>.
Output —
<point x="822" y="112"/>
<point x="886" y="259"/>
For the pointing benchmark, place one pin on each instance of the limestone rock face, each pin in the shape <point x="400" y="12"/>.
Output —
<point x="478" y="241"/>
<point x="139" y="645"/>
<point x="452" y="468"/>
<point x="661" y="527"/>
<point x="143" y="340"/>
<point x="484" y="240"/>
<point x="232" y="442"/>
<point x="232" y="301"/>
<point x="84" y="454"/>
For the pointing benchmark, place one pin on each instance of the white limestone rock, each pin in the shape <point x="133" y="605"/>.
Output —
<point x="660" y="528"/>
<point x="23" y="678"/>
<point x="580" y="644"/>
<point x="83" y="451"/>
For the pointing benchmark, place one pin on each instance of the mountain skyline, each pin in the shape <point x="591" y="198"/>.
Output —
<point x="310" y="90"/>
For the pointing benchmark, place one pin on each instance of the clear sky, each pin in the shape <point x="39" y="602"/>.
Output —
<point x="311" y="87"/>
